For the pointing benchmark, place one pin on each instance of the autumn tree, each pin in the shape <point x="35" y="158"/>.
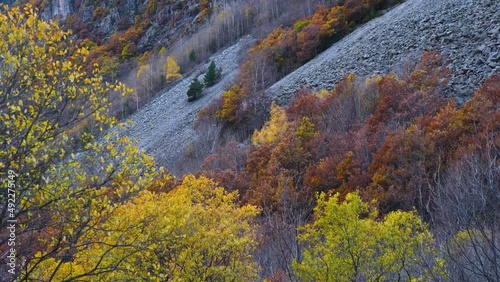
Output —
<point x="346" y="243"/>
<point x="227" y="166"/>
<point x="172" y="69"/>
<point x="205" y="9"/>
<point x="273" y="130"/>
<point x="194" y="232"/>
<point x="63" y="187"/>
<point x="230" y="104"/>
<point x="129" y="50"/>
<point x="145" y="79"/>
<point x="150" y="76"/>
<point x="110" y="67"/>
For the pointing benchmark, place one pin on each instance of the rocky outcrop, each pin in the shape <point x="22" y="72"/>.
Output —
<point x="57" y="8"/>
<point x="170" y="20"/>
<point x="61" y="8"/>
<point x="467" y="32"/>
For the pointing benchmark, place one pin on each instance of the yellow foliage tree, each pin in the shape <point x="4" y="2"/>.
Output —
<point x="47" y="106"/>
<point x="196" y="232"/>
<point x="346" y="243"/>
<point x="273" y="130"/>
<point x="305" y="132"/>
<point x="230" y="102"/>
<point x="172" y="69"/>
<point x="145" y="79"/>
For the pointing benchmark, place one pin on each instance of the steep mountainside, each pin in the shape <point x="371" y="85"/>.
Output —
<point x="268" y="192"/>
<point x="165" y="125"/>
<point x="155" y="22"/>
<point x="466" y="32"/>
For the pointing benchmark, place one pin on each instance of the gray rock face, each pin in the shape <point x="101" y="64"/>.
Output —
<point x="467" y="33"/>
<point x="160" y="32"/>
<point x="61" y="8"/>
<point x="164" y="126"/>
<point x="57" y="8"/>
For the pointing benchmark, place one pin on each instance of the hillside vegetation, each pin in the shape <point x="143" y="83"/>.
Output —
<point x="394" y="140"/>
<point x="132" y="39"/>
<point x="381" y="177"/>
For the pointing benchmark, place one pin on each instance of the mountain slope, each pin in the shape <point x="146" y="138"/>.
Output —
<point x="149" y="23"/>
<point x="466" y="32"/>
<point x="164" y="126"/>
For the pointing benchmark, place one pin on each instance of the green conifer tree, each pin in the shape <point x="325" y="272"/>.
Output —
<point x="195" y="89"/>
<point x="212" y="75"/>
<point x="192" y="55"/>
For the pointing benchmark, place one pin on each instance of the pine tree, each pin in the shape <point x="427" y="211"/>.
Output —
<point x="192" y="55"/>
<point x="212" y="75"/>
<point x="195" y="89"/>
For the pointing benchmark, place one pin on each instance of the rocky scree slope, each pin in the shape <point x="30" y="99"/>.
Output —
<point x="467" y="32"/>
<point x="164" y="126"/>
